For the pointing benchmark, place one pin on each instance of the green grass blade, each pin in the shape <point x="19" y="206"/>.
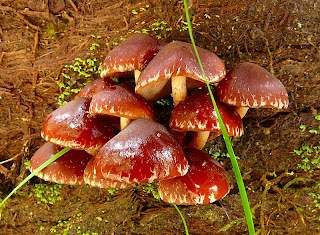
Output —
<point x="36" y="171"/>
<point x="183" y="220"/>
<point x="242" y="190"/>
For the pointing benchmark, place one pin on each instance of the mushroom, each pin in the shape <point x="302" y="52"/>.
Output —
<point x="205" y="182"/>
<point x="248" y="85"/>
<point x="73" y="127"/>
<point x="95" y="87"/>
<point x="121" y="100"/>
<point x="67" y="169"/>
<point x="142" y="152"/>
<point x="131" y="55"/>
<point x="197" y="113"/>
<point x="177" y="60"/>
<point x="93" y="178"/>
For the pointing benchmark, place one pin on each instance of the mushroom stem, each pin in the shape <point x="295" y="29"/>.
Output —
<point x="199" y="140"/>
<point x="242" y="111"/>
<point x="136" y="75"/>
<point x="179" y="89"/>
<point x="124" y="122"/>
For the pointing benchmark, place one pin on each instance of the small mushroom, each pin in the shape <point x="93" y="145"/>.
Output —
<point x="95" y="179"/>
<point x="177" y="60"/>
<point x="197" y="113"/>
<point x="121" y="101"/>
<point x="131" y="55"/>
<point x="67" y="169"/>
<point x="142" y="152"/>
<point x="205" y="182"/>
<point x="72" y="126"/>
<point x="248" y="85"/>
<point x="95" y="87"/>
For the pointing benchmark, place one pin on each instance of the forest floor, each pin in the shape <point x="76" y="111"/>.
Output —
<point x="278" y="153"/>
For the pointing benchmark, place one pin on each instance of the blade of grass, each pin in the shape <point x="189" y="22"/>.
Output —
<point x="242" y="190"/>
<point x="183" y="220"/>
<point x="36" y="171"/>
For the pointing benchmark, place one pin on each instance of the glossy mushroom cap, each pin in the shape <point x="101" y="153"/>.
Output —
<point x="68" y="169"/>
<point x="142" y="152"/>
<point x="205" y="182"/>
<point x="73" y="127"/>
<point x="95" y="87"/>
<point x="178" y="59"/>
<point x="250" y="85"/>
<point x="132" y="54"/>
<point x="197" y="113"/>
<point x="91" y="177"/>
<point x="121" y="100"/>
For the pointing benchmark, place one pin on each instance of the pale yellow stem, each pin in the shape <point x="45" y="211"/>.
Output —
<point x="136" y="75"/>
<point x="179" y="89"/>
<point x="199" y="139"/>
<point x="124" y="122"/>
<point x="242" y="111"/>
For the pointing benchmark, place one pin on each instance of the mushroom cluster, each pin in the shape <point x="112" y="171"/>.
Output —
<point x="112" y="129"/>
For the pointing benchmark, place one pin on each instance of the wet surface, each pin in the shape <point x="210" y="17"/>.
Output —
<point x="277" y="154"/>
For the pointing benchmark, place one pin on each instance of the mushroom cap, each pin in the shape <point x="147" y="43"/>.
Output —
<point x="205" y="182"/>
<point x="67" y="169"/>
<point x="132" y="54"/>
<point x="73" y="127"/>
<point x="91" y="177"/>
<point x="142" y="152"/>
<point x="95" y="87"/>
<point x="197" y="113"/>
<point x="121" y="100"/>
<point x="250" y="85"/>
<point x="178" y="59"/>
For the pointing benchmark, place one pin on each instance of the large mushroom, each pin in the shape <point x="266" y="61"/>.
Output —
<point x="205" y="182"/>
<point x="142" y="152"/>
<point x="196" y="113"/>
<point x="67" y="169"/>
<point x="177" y="60"/>
<point x="72" y="126"/>
<point x="131" y="55"/>
<point x="248" y="85"/>
<point x="121" y="101"/>
<point x="91" y="177"/>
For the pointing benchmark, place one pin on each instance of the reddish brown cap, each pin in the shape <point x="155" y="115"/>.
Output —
<point x="73" y="127"/>
<point x="178" y="59"/>
<point x="132" y="54"/>
<point x="95" y="87"/>
<point x="142" y="152"/>
<point x="91" y="177"/>
<point x="197" y="113"/>
<point x="205" y="182"/>
<point x="250" y="85"/>
<point x="121" y="100"/>
<point x="67" y="169"/>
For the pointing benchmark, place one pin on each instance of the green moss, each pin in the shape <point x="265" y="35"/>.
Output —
<point x="152" y="189"/>
<point x="49" y="194"/>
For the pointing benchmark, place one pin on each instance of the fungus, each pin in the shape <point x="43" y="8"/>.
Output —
<point x="205" y="182"/>
<point x="177" y="60"/>
<point x="142" y="152"/>
<point x="73" y="127"/>
<point x="248" y="85"/>
<point x="92" y="178"/>
<point x="197" y="113"/>
<point x="131" y="55"/>
<point x="67" y="169"/>
<point x="95" y="87"/>
<point x="121" y="100"/>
